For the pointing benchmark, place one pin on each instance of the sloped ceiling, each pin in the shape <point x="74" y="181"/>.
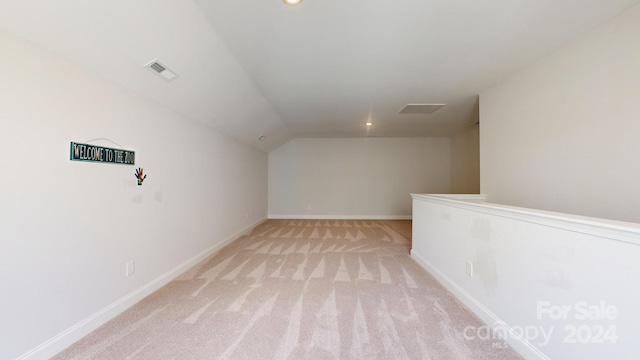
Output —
<point x="320" y="69"/>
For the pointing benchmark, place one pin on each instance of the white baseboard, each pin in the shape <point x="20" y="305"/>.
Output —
<point x="341" y="217"/>
<point x="63" y="340"/>
<point x="524" y="348"/>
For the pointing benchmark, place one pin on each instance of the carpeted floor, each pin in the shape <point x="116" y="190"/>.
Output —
<point x="299" y="289"/>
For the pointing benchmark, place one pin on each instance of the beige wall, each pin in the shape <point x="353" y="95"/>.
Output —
<point x="465" y="162"/>
<point x="563" y="134"/>
<point x="68" y="228"/>
<point x="366" y="177"/>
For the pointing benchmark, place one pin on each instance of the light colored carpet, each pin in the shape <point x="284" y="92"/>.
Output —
<point x="299" y="289"/>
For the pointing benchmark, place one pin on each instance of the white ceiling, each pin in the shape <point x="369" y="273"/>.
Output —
<point x="319" y="69"/>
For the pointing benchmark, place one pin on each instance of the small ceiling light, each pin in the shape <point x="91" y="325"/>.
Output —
<point x="368" y="123"/>
<point x="292" y="2"/>
<point x="261" y="137"/>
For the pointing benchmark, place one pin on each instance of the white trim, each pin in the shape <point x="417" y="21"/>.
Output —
<point x="610" y="229"/>
<point x="340" y="217"/>
<point x="524" y="348"/>
<point x="66" y="338"/>
<point x="462" y="197"/>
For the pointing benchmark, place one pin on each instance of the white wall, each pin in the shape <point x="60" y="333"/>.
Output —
<point x="68" y="228"/>
<point x="367" y="177"/>
<point x="525" y="260"/>
<point x="465" y="162"/>
<point x="562" y="135"/>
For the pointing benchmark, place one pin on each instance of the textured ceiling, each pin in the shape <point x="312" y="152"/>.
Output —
<point x="319" y="69"/>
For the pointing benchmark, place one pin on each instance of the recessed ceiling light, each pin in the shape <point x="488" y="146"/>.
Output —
<point x="292" y="2"/>
<point x="262" y="137"/>
<point x="368" y="123"/>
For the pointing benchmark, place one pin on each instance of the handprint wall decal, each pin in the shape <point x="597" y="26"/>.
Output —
<point x="140" y="176"/>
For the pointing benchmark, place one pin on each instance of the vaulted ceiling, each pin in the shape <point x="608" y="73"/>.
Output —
<point x="319" y="69"/>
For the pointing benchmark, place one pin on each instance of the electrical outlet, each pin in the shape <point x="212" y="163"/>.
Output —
<point x="131" y="268"/>
<point x="469" y="268"/>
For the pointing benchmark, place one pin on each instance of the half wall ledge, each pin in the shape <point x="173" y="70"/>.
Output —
<point x="526" y="264"/>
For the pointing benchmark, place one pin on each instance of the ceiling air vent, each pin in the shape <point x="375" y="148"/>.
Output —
<point x="420" y="108"/>
<point x="157" y="68"/>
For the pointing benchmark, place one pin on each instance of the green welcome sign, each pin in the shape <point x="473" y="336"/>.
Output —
<point x="93" y="153"/>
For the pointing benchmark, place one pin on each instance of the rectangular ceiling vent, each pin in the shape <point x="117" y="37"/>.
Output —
<point x="420" y="108"/>
<point x="157" y="68"/>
